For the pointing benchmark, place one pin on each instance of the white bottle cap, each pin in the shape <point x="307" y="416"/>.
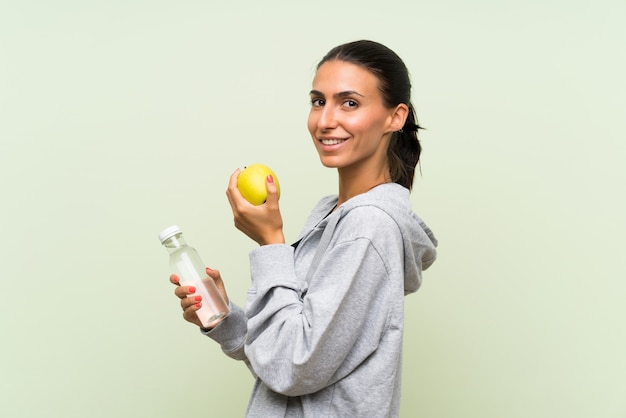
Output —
<point x="169" y="232"/>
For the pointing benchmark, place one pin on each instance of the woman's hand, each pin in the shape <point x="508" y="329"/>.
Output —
<point x="191" y="304"/>
<point x="263" y="223"/>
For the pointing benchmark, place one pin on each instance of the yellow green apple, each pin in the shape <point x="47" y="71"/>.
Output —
<point x="251" y="183"/>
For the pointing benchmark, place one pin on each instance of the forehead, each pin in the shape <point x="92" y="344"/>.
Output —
<point x="335" y="75"/>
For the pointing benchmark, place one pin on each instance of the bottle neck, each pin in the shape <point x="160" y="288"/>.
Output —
<point x="174" y="243"/>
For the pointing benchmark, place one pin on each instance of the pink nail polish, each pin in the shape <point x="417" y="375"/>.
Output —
<point x="192" y="289"/>
<point x="198" y="305"/>
<point x="270" y="179"/>
<point x="198" y="298"/>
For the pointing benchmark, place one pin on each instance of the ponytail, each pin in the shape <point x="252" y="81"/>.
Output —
<point x="404" y="152"/>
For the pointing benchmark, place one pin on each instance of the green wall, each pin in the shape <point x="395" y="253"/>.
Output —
<point x="120" y="118"/>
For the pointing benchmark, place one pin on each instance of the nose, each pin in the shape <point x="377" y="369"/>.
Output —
<point x="327" y="118"/>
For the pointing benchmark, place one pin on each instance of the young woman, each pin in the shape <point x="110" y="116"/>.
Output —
<point x="323" y="321"/>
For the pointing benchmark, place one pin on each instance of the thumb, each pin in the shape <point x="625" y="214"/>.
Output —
<point x="212" y="273"/>
<point x="272" y="189"/>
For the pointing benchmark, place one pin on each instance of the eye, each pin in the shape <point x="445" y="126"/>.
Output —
<point x="350" y="104"/>
<point x="317" y="102"/>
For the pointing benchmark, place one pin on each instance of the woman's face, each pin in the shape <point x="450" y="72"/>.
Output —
<point x="348" y="121"/>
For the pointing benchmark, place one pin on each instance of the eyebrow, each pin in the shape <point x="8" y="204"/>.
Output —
<point x="337" y="95"/>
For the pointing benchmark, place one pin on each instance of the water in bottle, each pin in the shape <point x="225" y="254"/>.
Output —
<point x="186" y="263"/>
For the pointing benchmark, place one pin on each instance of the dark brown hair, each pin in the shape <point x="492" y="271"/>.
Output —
<point x="404" y="149"/>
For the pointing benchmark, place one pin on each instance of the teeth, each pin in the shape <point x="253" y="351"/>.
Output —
<point x="332" y="141"/>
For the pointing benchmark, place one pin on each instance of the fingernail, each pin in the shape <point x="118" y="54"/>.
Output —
<point x="198" y="298"/>
<point x="270" y="179"/>
<point x="208" y="269"/>
<point x="198" y="305"/>
<point x="192" y="289"/>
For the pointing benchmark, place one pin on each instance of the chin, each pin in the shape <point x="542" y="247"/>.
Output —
<point x="329" y="162"/>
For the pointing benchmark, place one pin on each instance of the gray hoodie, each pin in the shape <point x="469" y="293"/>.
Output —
<point x="323" y="323"/>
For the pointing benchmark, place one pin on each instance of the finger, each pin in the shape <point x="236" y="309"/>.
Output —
<point x="237" y="202"/>
<point x="232" y="183"/>
<point x="214" y="274"/>
<point x="191" y="302"/>
<point x="174" y="279"/>
<point x="190" y="315"/>
<point x="184" y="291"/>
<point x="219" y="283"/>
<point x="272" y="190"/>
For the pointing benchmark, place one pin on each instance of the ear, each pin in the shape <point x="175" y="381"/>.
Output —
<point x="398" y="117"/>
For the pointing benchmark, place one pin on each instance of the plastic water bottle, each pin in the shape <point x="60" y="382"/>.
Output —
<point x="186" y="263"/>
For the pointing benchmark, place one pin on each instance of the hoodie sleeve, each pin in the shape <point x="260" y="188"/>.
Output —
<point x="230" y="334"/>
<point x="302" y="340"/>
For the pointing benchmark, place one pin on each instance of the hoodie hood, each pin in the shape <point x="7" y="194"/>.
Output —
<point x="419" y="241"/>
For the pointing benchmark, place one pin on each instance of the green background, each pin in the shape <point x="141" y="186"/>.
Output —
<point x="119" y="118"/>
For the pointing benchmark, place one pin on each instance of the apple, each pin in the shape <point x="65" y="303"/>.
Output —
<point x="251" y="183"/>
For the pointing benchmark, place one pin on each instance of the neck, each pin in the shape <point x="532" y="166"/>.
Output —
<point x="353" y="182"/>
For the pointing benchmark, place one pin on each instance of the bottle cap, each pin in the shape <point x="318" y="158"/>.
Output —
<point x="169" y="232"/>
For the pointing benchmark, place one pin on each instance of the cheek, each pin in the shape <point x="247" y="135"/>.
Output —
<point x="373" y="124"/>
<point x="312" y="123"/>
<point x="357" y="124"/>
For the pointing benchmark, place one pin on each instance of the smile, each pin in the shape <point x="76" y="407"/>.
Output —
<point x="332" y="141"/>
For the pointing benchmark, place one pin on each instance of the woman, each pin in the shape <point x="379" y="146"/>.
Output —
<point x="323" y="322"/>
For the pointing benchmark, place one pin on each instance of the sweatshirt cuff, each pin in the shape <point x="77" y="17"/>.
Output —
<point x="229" y="333"/>
<point x="272" y="265"/>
